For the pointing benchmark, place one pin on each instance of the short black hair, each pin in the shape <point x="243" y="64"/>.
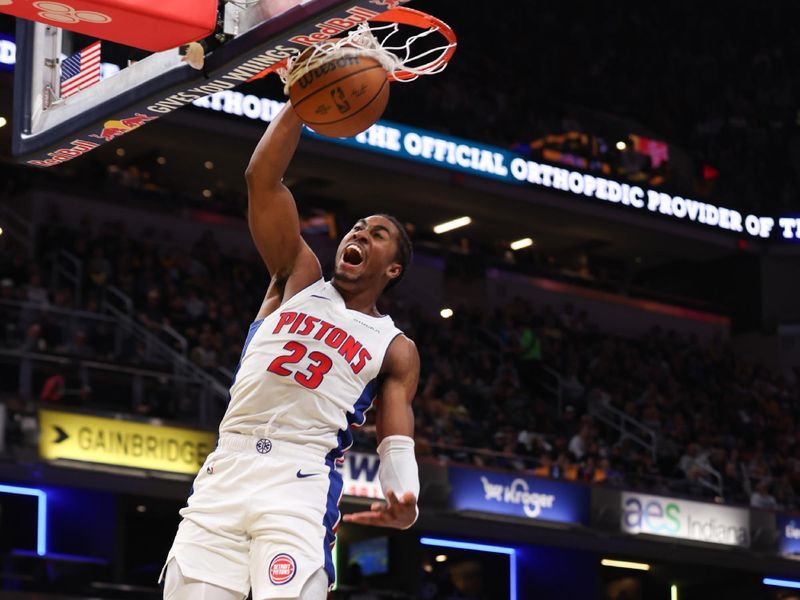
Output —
<point x="405" y="250"/>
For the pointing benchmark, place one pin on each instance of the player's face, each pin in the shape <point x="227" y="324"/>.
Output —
<point x="367" y="252"/>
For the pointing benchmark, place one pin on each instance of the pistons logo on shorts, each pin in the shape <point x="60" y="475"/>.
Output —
<point x="282" y="569"/>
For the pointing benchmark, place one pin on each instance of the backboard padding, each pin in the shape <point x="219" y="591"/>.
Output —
<point x="134" y="96"/>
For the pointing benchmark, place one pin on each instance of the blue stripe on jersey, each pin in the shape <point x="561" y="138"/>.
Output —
<point x="356" y="418"/>
<point x="331" y="518"/>
<point x="345" y="440"/>
<point x="250" y="334"/>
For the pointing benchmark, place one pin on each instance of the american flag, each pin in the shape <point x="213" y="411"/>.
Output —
<point x="80" y="70"/>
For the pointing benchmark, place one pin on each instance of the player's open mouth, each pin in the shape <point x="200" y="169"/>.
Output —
<point x="353" y="255"/>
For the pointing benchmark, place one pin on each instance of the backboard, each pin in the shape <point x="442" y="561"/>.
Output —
<point x="254" y="35"/>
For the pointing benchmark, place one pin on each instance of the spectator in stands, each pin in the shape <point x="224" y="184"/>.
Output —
<point x="761" y="498"/>
<point x="7" y="289"/>
<point x="732" y="486"/>
<point x="694" y="462"/>
<point x="99" y="267"/>
<point x="152" y="315"/>
<point x="34" y="341"/>
<point x="53" y="388"/>
<point x="36" y="292"/>
<point x="579" y="443"/>
<point x="79" y="346"/>
<point x="785" y="495"/>
<point x="205" y="355"/>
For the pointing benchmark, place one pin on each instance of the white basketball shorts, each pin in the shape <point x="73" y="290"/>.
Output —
<point x="262" y="515"/>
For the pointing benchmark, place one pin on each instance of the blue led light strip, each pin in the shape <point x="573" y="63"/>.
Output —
<point x="459" y="545"/>
<point x="784" y="583"/>
<point x="41" y="525"/>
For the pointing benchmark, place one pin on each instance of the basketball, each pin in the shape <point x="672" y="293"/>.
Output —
<point x="343" y="96"/>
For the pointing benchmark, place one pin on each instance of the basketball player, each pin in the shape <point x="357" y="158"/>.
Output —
<point x="263" y="512"/>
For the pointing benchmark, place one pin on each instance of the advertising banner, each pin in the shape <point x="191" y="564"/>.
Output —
<point x="789" y="535"/>
<point x="685" y="519"/>
<point x="517" y="496"/>
<point x="8" y="52"/>
<point x="360" y="475"/>
<point x="482" y="160"/>
<point x="122" y="443"/>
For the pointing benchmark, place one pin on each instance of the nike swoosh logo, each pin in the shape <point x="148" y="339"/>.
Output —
<point x="304" y="475"/>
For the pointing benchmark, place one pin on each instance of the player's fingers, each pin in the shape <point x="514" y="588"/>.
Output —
<point x="377" y="506"/>
<point x="408" y="498"/>
<point x="391" y="497"/>
<point x="365" y="518"/>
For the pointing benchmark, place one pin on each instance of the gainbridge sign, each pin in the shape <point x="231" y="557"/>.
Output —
<point x="122" y="443"/>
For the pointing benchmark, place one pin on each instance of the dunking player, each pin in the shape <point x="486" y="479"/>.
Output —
<point x="264" y="508"/>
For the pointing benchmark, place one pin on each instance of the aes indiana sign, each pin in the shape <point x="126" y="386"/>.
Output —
<point x="684" y="519"/>
<point x="513" y="495"/>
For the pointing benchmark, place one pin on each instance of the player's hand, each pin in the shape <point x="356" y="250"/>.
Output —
<point x="396" y="513"/>
<point x="195" y="55"/>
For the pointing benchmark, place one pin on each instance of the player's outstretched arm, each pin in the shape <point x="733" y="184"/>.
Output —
<point x="272" y="213"/>
<point x="394" y="422"/>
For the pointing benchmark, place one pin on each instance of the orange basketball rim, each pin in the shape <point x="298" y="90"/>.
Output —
<point x="413" y="65"/>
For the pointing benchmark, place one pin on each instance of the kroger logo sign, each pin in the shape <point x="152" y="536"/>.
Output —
<point x="518" y="493"/>
<point x="683" y="519"/>
<point x="509" y="494"/>
<point x="789" y="528"/>
<point x="791" y="531"/>
<point x="8" y="52"/>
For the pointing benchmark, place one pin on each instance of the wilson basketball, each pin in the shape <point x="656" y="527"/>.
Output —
<point x="343" y="96"/>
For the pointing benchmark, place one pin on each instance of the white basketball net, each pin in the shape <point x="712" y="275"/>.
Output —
<point x="362" y="41"/>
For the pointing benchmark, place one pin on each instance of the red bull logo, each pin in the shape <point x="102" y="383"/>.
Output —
<point x="335" y="26"/>
<point x="117" y="127"/>
<point x="76" y="148"/>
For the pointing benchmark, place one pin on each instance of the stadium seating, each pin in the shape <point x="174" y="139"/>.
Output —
<point x="531" y="388"/>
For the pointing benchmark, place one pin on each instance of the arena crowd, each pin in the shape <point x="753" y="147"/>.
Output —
<point x="723" y="91"/>
<point x="481" y="398"/>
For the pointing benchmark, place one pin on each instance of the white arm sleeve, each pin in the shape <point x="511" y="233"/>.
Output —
<point x="398" y="470"/>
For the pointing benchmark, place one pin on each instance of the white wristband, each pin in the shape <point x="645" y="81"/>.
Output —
<point x="398" y="470"/>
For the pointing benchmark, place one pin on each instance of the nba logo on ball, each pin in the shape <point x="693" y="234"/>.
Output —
<point x="281" y="569"/>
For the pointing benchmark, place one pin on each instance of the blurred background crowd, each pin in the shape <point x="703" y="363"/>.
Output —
<point x="720" y="92"/>
<point x="719" y="426"/>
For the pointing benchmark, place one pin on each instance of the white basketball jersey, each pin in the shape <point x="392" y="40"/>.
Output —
<point x="309" y="370"/>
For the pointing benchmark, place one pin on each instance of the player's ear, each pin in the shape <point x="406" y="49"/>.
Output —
<point x="394" y="270"/>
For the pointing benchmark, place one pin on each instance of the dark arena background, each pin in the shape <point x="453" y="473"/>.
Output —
<point x="609" y="331"/>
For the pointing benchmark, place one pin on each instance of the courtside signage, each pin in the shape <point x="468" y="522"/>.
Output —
<point x="8" y="53"/>
<point x="122" y="443"/>
<point x="789" y="531"/>
<point x="473" y="158"/>
<point x="684" y="519"/>
<point x="510" y="494"/>
<point x="359" y="473"/>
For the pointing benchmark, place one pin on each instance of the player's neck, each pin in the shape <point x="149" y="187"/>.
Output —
<point x="362" y="301"/>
